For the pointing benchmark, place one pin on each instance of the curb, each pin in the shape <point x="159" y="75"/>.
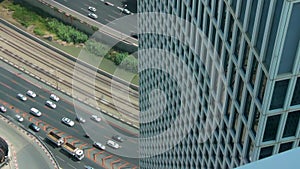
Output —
<point x="33" y="137"/>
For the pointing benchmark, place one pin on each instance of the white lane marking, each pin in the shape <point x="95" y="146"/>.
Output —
<point x="59" y="158"/>
<point x="71" y="165"/>
<point x="109" y="21"/>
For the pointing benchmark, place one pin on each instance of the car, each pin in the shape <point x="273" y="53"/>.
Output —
<point x="22" y="97"/>
<point x="92" y="15"/>
<point x="118" y="138"/>
<point x="50" y="104"/>
<point x="31" y="93"/>
<point x="87" y="135"/>
<point x="113" y="144"/>
<point x="109" y="3"/>
<point x="3" y="109"/>
<point x="19" y="118"/>
<point x="54" y="97"/>
<point x="96" y="118"/>
<point x="80" y="119"/>
<point x="34" y="127"/>
<point x="88" y="167"/>
<point x="67" y="121"/>
<point x="99" y="145"/>
<point x="93" y="9"/>
<point x="35" y="112"/>
<point x="126" y="11"/>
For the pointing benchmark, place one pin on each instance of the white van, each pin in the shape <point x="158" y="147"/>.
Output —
<point x="35" y="112"/>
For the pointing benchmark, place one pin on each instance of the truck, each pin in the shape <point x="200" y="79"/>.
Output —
<point x="74" y="151"/>
<point x="56" y="139"/>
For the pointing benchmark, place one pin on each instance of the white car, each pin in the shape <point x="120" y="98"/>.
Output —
<point x="22" y="97"/>
<point x="54" y="97"/>
<point x="50" y="104"/>
<point x="19" y="118"/>
<point x="93" y="9"/>
<point x="109" y="3"/>
<point x="113" y="144"/>
<point x="99" y="145"/>
<point x="126" y="11"/>
<point x="67" y="121"/>
<point x="31" y="93"/>
<point x="35" y="112"/>
<point x="3" y="109"/>
<point x="96" y="118"/>
<point x="80" y="119"/>
<point x="92" y="15"/>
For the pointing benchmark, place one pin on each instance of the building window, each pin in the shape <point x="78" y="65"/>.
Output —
<point x="266" y="152"/>
<point x="291" y="124"/>
<point x="255" y="120"/>
<point x="247" y="105"/>
<point x="224" y="12"/>
<point x="262" y="86"/>
<point x="231" y="23"/>
<point x="237" y="42"/>
<point x="240" y="91"/>
<point x="252" y="18"/>
<point x="285" y="147"/>
<point x="232" y="76"/>
<point x="242" y="11"/>
<point x="253" y="71"/>
<point x="279" y="93"/>
<point x="296" y="95"/>
<point x="271" y="128"/>
<point x="245" y="57"/>
<point x="226" y="60"/>
<point x="228" y="108"/>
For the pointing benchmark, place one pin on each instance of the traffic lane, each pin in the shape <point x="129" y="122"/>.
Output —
<point x="53" y="116"/>
<point x="119" y="152"/>
<point x="64" y="106"/>
<point x="126" y="25"/>
<point x="50" y="116"/>
<point x="105" y="12"/>
<point x="65" y="161"/>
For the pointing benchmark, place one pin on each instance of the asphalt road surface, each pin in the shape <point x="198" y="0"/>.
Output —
<point x="28" y="154"/>
<point x="12" y="83"/>
<point x="108" y="14"/>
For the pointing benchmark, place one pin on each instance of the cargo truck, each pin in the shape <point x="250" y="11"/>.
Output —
<point x="74" y="151"/>
<point x="56" y="139"/>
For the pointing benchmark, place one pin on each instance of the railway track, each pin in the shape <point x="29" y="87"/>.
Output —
<point x="70" y="65"/>
<point x="86" y="72"/>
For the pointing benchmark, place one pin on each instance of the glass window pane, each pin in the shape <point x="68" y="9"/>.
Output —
<point x="285" y="147"/>
<point x="266" y="152"/>
<point x="296" y="96"/>
<point x="291" y="124"/>
<point x="271" y="128"/>
<point x="279" y="93"/>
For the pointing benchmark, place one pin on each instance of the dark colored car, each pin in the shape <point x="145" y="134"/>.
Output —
<point x="34" y="127"/>
<point x="118" y="138"/>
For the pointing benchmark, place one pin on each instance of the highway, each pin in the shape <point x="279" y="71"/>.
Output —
<point x="55" y="68"/>
<point x="107" y="14"/>
<point x="13" y="82"/>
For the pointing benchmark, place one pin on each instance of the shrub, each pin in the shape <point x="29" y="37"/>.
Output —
<point x="38" y="31"/>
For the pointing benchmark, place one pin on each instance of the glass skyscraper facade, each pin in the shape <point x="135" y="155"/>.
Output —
<point x="222" y="77"/>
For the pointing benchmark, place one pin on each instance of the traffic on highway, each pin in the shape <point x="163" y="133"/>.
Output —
<point x="114" y="13"/>
<point x="51" y="115"/>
